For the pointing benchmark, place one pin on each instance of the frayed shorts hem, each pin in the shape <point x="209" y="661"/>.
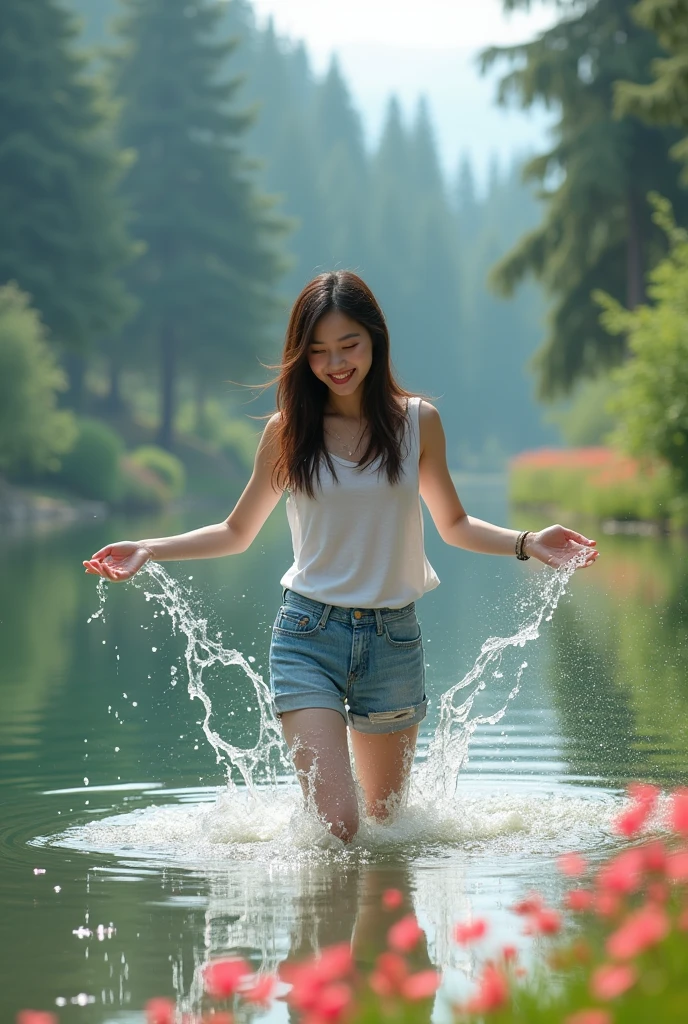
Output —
<point x="374" y="723"/>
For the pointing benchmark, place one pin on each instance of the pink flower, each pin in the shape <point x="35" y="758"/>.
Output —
<point x="623" y="874"/>
<point x="644" y="798"/>
<point x="578" y="899"/>
<point x="611" y="980"/>
<point x="392" y="899"/>
<point x="509" y="954"/>
<point x="544" y="922"/>
<point x="404" y="935"/>
<point x="223" y="1017"/>
<point x="493" y="991"/>
<point x="590" y="1017"/>
<point x="223" y="977"/>
<point x="654" y="855"/>
<point x="572" y="864"/>
<point x="529" y="905"/>
<point x="333" y="1000"/>
<point x="312" y="979"/>
<point x="470" y="932"/>
<point x="677" y="866"/>
<point x="160" y="1011"/>
<point x="389" y="974"/>
<point x="334" y="963"/>
<point x="260" y="990"/>
<point x="421" y="985"/>
<point x="641" y="929"/>
<point x="607" y="904"/>
<point x="678" y="815"/>
<point x="36" y="1017"/>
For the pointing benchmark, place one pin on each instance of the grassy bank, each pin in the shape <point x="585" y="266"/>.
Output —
<point x="598" y="483"/>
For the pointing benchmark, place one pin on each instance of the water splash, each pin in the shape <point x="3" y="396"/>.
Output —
<point x="263" y="760"/>
<point x="437" y="777"/>
<point x="434" y="780"/>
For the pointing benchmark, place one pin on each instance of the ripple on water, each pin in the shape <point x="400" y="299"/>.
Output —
<point x="272" y="825"/>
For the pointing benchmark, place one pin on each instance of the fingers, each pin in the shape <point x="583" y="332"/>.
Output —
<point x="101" y="554"/>
<point x="580" y="539"/>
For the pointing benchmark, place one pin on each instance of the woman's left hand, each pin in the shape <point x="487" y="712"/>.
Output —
<point x="556" y="545"/>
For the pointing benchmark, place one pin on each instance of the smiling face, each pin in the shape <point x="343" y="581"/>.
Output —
<point x="341" y="353"/>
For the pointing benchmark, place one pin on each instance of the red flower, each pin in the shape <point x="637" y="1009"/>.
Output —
<point x="389" y="974"/>
<point x="470" y="932"/>
<point x="493" y="991"/>
<point x="572" y="864"/>
<point x="590" y="1017"/>
<point x="421" y="985"/>
<point x="404" y="935"/>
<point x="260" y="990"/>
<point x="160" y="1011"/>
<point x="611" y="980"/>
<point x="392" y="899"/>
<point x="223" y="1017"/>
<point x="578" y="899"/>
<point x="624" y="873"/>
<point x="678" y="814"/>
<point x="641" y="929"/>
<point x="36" y="1017"/>
<point x="644" y="798"/>
<point x="509" y="953"/>
<point x="677" y="866"/>
<point x="223" y="977"/>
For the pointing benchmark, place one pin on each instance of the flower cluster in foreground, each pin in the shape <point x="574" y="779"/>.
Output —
<point x="627" y="961"/>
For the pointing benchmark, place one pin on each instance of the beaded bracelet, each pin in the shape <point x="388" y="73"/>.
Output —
<point x="520" y="545"/>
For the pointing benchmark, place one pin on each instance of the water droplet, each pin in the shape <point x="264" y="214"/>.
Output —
<point x="85" y="781"/>
<point x="117" y="750"/>
<point x="154" y="649"/>
<point x="134" y="704"/>
<point x="57" y="888"/>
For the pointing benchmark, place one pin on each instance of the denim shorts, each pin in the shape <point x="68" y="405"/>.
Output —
<point x="367" y="664"/>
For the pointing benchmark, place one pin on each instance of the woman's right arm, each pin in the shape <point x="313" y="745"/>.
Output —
<point x="120" y="561"/>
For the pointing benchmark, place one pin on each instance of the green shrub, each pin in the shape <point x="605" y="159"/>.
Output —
<point x="240" y="439"/>
<point x="162" y="464"/>
<point x="91" y="469"/>
<point x="142" y="490"/>
<point x="33" y="432"/>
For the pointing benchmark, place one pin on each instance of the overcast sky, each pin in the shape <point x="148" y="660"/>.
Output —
<point x="437" y="24"/>
<point x="414" y="47"/>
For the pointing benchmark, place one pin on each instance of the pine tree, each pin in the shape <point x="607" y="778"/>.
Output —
<point x="598" y="229"/>
<point x="63" y="235"/>
<point x="206" y="280"/>
<point x="665" y="99"/>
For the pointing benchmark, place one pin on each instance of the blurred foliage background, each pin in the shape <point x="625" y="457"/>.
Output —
<point x="172" y="172"/>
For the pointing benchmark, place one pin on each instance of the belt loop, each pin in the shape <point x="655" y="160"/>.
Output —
<point x="325" y="616"/>
<point x="285" y="591"/>
<point x="378" y="620"/>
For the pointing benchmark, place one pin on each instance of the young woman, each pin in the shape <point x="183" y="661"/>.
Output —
<point x="354" y="451"/>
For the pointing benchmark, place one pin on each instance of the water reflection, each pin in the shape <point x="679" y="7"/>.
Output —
<point x="604" y="699"/>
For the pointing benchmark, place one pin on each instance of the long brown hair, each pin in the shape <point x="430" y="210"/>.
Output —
<point x="301" y="396"/>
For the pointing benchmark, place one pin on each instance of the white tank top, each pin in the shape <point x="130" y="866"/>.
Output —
<point x="359" y="543"/>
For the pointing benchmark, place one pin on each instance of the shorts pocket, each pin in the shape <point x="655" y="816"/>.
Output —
<point x="404" y="631"/>
<point x="295" y="622"/>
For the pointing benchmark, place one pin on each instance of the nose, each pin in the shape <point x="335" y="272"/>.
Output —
<point x="336" y="360"/>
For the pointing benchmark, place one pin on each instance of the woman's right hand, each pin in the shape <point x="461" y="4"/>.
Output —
<point x="118" y="562"/>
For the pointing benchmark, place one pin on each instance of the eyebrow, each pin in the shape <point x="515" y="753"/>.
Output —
<point x="345" y="337"/>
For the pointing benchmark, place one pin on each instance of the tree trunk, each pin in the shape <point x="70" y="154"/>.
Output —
<point x="114" y="403"/>
<point x="635" y="256"/>
<point x="201" y="399"/>
<point x="168" y="374"/>
<point x="75" y="367"/>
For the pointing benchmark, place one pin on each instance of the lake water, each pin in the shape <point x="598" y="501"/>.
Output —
<point x="127" y="861"/>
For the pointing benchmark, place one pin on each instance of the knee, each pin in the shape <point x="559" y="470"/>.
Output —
<point x="343" y="823"/>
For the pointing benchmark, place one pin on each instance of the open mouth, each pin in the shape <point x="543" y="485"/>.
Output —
<point x="341" y="378"/>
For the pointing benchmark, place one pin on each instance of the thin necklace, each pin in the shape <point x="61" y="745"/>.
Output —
<point x="350" y="448"/>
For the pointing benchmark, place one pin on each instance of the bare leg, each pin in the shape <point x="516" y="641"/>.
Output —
<point x="383" y="765"/>
<point x="317" y="739"/>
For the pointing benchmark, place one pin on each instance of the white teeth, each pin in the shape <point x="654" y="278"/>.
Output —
<point x="341" y="376"/>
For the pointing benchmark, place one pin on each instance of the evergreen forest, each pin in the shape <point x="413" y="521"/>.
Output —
<point x="172" y="173"/>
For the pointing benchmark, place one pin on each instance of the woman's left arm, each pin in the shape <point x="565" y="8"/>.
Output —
<point x="554" y="546"/>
